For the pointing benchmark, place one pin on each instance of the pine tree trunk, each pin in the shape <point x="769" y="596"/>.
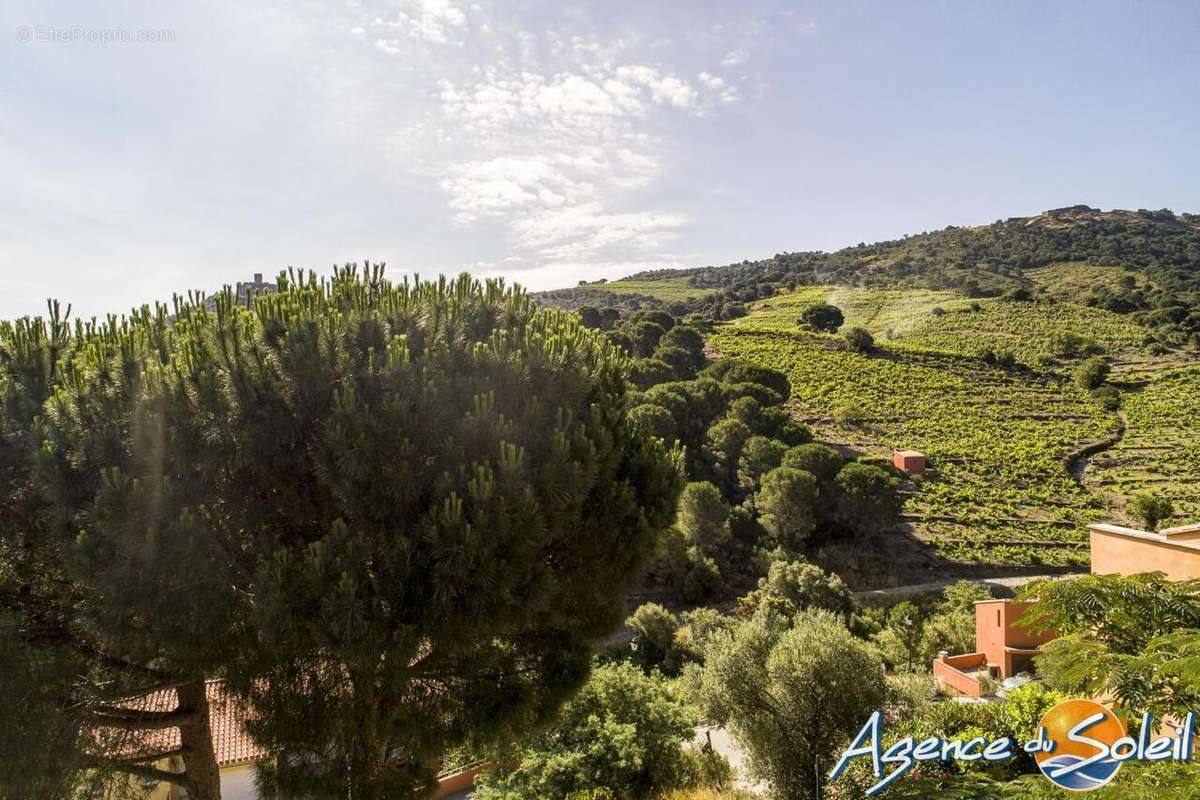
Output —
<point x="199" y="758"/>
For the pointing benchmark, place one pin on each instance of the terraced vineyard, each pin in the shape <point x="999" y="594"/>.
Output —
<point x="649" y="291"/>
<point x="1160" y="451"/>
<point x="946" y="322"/>
<point x="669" y="290"/>
<point x="998" y="490"/>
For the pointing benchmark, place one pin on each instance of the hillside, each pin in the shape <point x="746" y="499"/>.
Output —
<point x="1000" y="488"/>
<point x="1159" y="251"/>
<point x="978" y="333"/>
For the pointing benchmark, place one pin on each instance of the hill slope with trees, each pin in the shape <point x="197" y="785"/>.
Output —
<point x="1158" y="250"/>
<point x="1045" y="364"/>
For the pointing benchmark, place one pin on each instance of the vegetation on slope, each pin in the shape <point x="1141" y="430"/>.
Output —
<point x="990" y="349"/>
<point x="989" y="259"/>
<point x="997" y="490"/>
<point x="1160" y="450"/>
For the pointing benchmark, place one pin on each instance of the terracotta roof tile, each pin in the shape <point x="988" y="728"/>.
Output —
<point x="231" y="743"/>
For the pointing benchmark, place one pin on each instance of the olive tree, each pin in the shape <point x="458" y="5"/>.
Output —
<point x="790" y="694"/>
<point x="622" y="736"/>
<point x="790" y="587"/>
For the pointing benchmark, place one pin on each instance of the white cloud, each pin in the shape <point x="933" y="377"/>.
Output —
<point x="663" y="88"/>
<point x="506" y="184"/>
<point x="436" y="21"/>
<point x="735" y="58"/>
<point x="584" y="99"/>
<point x="566" y="146"/>
<point x="588" y="231"/>
<point x="550" y="137"/>
<point x="719" y="86"/>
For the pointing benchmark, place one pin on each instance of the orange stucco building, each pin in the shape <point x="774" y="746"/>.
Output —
<point x="1175" y="552"/>
<point x="1003" y="648"/>
<point x="1009" y="647"/>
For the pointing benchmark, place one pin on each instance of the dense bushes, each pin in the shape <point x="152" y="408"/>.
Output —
<point x="822" y="318"/>
<point x="909" y="637"/>
<point x="623" y="734"/>
<point x="1091" y="374"/>
<point x="791" y="691"/>
<point x="757" y="483"/>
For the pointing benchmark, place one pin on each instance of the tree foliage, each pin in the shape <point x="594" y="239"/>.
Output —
<point x="1151" y="509"/>
<point x="703" y="515"/>
<point x="869" y="497"/>
<point x="786" y="502"/>
<point x="1091" y="374"/>
<point x="791" y="695"/>
<point x="393" y="517"/>
<point x="822" y="318"/>
<point x="859" y="340"/>
<point x="1134" y="638"/>
<point x="790" y="587"/>
<point x="623" y="734"/>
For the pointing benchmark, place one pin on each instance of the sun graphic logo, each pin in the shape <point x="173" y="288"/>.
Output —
<point x="1081" y="734"/>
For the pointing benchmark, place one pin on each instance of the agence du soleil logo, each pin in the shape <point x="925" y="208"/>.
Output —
<point x="1079" y="746"/>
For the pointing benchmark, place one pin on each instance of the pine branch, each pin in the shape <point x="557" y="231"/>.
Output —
<point x="54" y="633"/>
<point x="133" y="719"/>
<point x="140" y="760"/>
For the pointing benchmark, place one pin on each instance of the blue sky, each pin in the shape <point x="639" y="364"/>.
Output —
<point x="554" y="141"/>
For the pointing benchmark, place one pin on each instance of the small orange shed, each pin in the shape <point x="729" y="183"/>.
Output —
<point x="909" y="461"/>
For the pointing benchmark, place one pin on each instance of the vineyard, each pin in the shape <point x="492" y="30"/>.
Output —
<point x="947" y="323"/>
<point x="1160" y="450"/>
<point x="998" y="490"/>
<point x="669" y="290"/>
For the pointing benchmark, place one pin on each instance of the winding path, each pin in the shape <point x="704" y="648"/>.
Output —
<point x="1077" y="461"/>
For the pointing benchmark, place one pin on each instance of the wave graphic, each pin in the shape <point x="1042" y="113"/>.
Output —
<point x="1092" y="776"/>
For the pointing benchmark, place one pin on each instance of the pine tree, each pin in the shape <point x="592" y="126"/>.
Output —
<point x="392" y="516"/>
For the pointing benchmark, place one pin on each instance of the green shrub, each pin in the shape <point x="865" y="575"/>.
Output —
<point x="822" y="318"/>
<point x="791" y="587"/>
<point x="703" y="578"/>
<point x="653" y="628"/>
<point x="1092" y="373"/>
<point x="859" y="340"/>
<point x="1109" y="397"/>
<point x="1150" y="509"/>
<point x="624" y="732"/>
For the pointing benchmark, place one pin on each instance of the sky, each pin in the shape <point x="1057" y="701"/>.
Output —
<point x="148" y="148"/>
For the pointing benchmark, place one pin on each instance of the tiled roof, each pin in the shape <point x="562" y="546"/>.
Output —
<point x="230" y="741"/>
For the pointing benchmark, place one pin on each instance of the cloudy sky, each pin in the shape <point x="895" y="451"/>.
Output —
<point x="554" y="141"/>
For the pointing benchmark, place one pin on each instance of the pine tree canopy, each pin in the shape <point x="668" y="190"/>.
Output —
<point x="394" y="517"/>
